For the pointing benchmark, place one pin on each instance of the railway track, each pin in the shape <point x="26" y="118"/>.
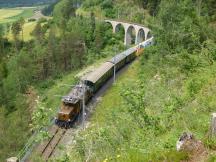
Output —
<point x="47" y="148"/>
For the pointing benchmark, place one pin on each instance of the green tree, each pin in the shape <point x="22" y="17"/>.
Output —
<point x="38" y="33"/>
<point x="99" y="38"/>
<point x="53" y="50"/>
<point x="63" y="11"/>
<point x="22" y="22"/>
<point x="16" y="29"/>
<point x="2" y="33"/>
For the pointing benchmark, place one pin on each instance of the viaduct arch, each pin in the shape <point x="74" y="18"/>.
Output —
<point x="141" y="32"/>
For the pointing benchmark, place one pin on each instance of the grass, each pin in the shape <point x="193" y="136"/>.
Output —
<point x="5" y="14"/>
<point x="13" y="14"/>
<point x="27" y="30"/>
<point x="174" y="102"/>
<point x="97" y="11"/>
<point x="51" y="91"/>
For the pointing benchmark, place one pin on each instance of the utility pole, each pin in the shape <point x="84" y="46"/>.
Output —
<point x="114" y="72"/>
<point x="83" y="105"/>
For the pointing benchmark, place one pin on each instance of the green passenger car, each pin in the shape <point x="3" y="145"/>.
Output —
<point x="97" y="78"/>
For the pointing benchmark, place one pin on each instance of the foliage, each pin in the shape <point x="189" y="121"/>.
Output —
<point x="11" y="15"/>
<point x="174" y="81"/>
<point x="14" y="128"/>
<point x="135" y="101"/>
<point x="58" y="47"/>
<point x="48" y="10"/>
<point x="125" y="10"/>
<point x="167" y="92"/>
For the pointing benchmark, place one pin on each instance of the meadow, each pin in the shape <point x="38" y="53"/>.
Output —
<point x="9" y="15"/>
<point x="27" y="29"/>
<point x="157" y="103"/>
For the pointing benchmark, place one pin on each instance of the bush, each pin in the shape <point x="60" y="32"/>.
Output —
<point x="31" y="20"/>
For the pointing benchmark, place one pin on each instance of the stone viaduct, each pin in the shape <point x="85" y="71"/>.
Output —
<point x="141" y="32"/>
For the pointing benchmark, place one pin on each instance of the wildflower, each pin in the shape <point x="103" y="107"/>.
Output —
<point x="118" y="156"/>
<point x="105" y="160"/>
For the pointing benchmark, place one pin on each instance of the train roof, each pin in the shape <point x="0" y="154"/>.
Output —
<point x="130" y="50"/>
<point x="145" y="43"/>
<point x="74" y="96"/>
<point x="116" y="59"/>
<point x="99" y="72"/>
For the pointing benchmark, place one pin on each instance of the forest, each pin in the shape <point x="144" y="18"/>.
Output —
<point x="166" y="92"/>
<point x="183" y="57"/>
<point x="59" y="46"/>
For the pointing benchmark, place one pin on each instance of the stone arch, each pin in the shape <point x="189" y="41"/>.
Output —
<point x="130" y="35"/>
<point x="109" y="26"/>
<point x="140" y="37"/>
<point x="120" y="31"/>
<point x="119" y="27"/>
<point x="108" y="23"/>
<point x="133" y="33"/>
<point x="112" y="24"/>
<point x="149" y="35"/>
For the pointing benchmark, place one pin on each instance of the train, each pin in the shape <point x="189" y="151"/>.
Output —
<point x="71" y="105"/>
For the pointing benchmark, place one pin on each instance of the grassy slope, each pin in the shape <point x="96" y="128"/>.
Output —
<point x="180" y="103"/>
<point x="50" y="93"/>
<point x="13" y="14"/>
<point x="128" y="11"/>
<point x="7" y="13"/>
<point x="27" y="30"/>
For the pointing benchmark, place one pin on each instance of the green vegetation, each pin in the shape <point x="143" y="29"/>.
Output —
<point x="18" y="3"/>
<point x="28" y="69"/>
<point x="28" y="28"/>
<point x="131" y="10"/>
<point x="11" y="15"/>
<point x="6" y="13"/>
<point x="169" y="90"/>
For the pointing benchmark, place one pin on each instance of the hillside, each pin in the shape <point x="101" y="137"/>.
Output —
<point x="142" y="116"/>
<point x="167" y="91"/>
<point x="23" y="3"/>
<point x="30" y="68"/>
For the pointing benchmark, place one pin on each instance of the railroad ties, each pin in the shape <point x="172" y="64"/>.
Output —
<point x="46" y="148"/>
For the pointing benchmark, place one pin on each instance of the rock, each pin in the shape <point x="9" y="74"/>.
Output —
<point x="184" y="137"/>
<point x="12" y="159"/>
<point x="157" y="77"/>
<point x="188" y="143"/>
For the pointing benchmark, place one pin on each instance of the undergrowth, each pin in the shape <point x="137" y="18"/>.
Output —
<point x="142" y="116"/>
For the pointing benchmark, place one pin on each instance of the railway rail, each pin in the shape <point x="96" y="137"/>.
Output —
<point x="72" y="104"/>
<point x="47" y="148"/>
